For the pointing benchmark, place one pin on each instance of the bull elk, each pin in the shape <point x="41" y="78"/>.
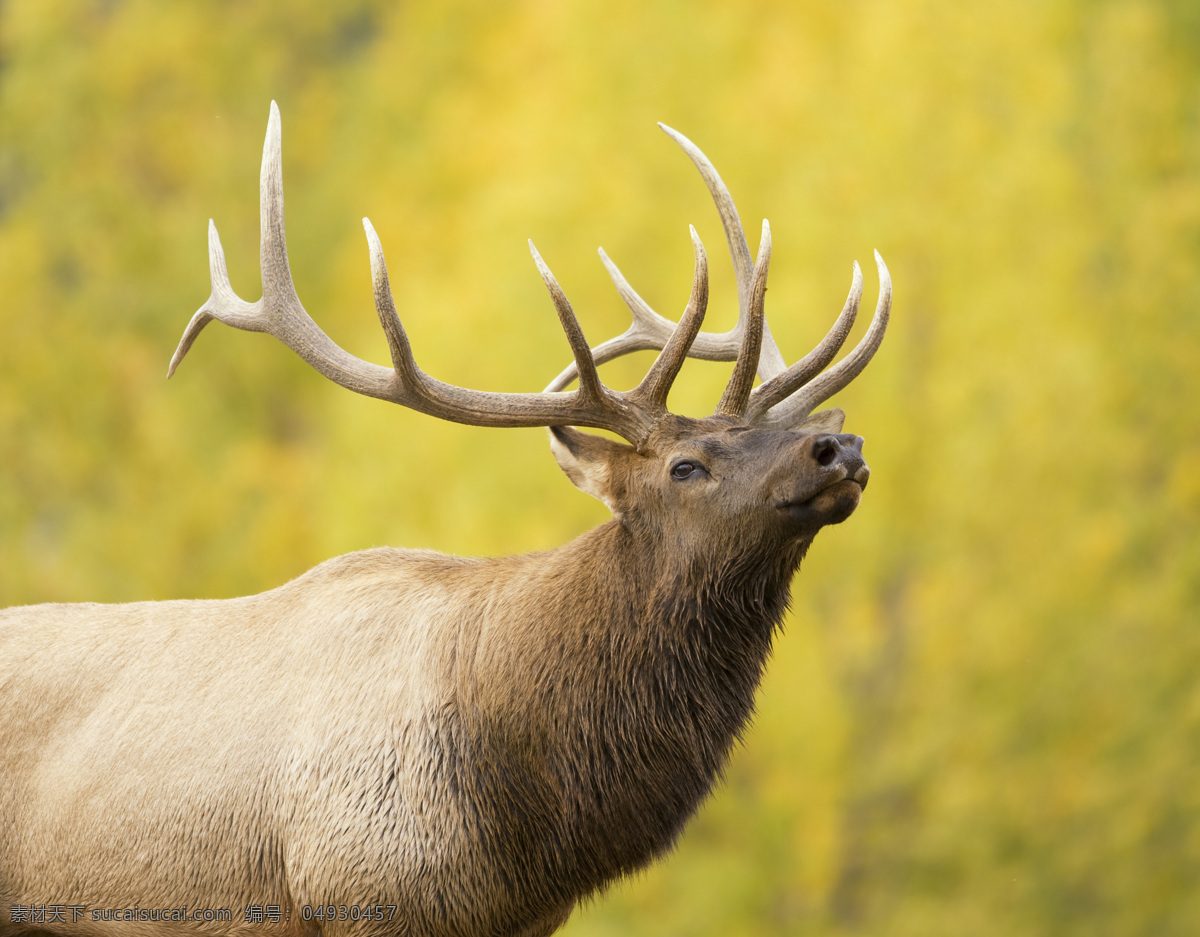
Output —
<point x="401" y="742"/>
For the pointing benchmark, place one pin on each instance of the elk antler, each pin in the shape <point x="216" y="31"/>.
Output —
<point x="777" y="402"/>
<point x="630" y="414"/>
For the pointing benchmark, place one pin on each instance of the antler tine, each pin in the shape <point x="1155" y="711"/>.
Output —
<point x="737" y="391"/>
<point x="221" y="296"/>
<point x="657" y="382"/>
<point x="276" y="272"/>
<point x="784" y="385"/>
<point x="771" y="361"/>
<point x="403" y="361"/>
<point x="585" y="365"/>
<point x="794" y="409"/>
<point x="739" y="248"/>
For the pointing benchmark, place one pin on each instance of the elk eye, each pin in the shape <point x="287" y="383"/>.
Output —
<point x="684" y="469"/>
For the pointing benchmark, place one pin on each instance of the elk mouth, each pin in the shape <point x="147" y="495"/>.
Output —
<point x="831" y="505"/>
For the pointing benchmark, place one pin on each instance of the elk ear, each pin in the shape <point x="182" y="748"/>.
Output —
<point x="825" y="421"/>
<point x="588" y="461"/>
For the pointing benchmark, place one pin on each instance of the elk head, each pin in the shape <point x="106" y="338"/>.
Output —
<point x="762" y="469"/>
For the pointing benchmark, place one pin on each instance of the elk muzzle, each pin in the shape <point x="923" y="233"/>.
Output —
<point x="830" y="481"/>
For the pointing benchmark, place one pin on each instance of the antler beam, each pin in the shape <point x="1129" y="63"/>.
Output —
<point x="280" y="313"/>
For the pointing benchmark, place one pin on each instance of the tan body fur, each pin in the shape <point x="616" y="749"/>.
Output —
<point x="298" y="747"/>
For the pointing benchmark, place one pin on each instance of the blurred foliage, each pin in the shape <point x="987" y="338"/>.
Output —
<point x="984" y="717"/>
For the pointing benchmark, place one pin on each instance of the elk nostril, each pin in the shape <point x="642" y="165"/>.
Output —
<point x="825" y="450"/>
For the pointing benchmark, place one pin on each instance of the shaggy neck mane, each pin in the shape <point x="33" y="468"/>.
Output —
<point x="635" y="702"/>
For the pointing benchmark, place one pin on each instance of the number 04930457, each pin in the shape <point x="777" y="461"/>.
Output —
<point x="353" y="912"/>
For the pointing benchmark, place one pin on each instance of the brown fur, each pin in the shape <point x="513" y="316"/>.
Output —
<point x="479" y="742"/>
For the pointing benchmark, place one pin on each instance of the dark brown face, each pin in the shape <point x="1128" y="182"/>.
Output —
<point x="714" y="479"/>
<point x="790" y="481"/>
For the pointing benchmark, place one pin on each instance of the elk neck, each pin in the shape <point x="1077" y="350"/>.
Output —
<point x="623" y="677"/>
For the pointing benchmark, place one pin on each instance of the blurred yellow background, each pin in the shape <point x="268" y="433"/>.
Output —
<point x="984" y="716"/>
